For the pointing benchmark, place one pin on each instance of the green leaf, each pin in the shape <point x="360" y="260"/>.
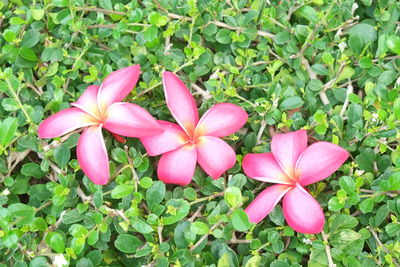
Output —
<point x="233" y="196"/>
<point x="119" y="155"/>
<point x="30" y="39"/>
<point x="78" y="231"/>
<point x="8" y="130"/>
<point x="37" y="13"/>
<point x="199" y="228"/>
<point x="62" y="155"/>
<point x="347" y="184"/>
<point x="32" y="169"/>
<point x="10" y="104"/>
<point x="367" y="205"/>
<point x="240" y="220"/>
<point x="122" y="190"/>
<point x="28" y="54"/>
<point x="366" y="63"/>
<point x="343" y="238"/>
<point x="393" y="43"/>
<point x="146" y="182"/>
<point x="56" y="241"/>
<point x="93" y="237"/>
<point x="315" y="85"/>
<point x="141" y="226"/>
<point x="24" y="214"/>
<point x="177" y="209"/>
<point x="308" y="13"/>
<point x="9" y="35"/>
<point x="223" y="36"/>
<point x="127" y="243"/>
<point x="365" y="32"/>
<point x="291" y="102"/>
<point x="155" y="194"/>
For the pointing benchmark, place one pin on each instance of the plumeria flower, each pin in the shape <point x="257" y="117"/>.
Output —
<point x="193" y="140"/>
<point x="99" y="107"/>
<point x="292" y="166"/>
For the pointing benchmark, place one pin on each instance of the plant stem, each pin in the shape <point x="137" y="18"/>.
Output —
<point x="208" y="198"/>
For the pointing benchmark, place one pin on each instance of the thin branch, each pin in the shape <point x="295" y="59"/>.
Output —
<point x="346" y="101"/>
<point x="204" y="93"/>
<point x="175" y="16"/>
<point x="313" y="76"/>
<point x="204" y="237"/>
<point x="134" y="173"/>
<point x="207" y="198"/>
<point x="375" y="235"/>
<point x="196" y="214"/>
<point x="100" y="10"/>
<point x="261" y="131"/>
<point x="328" y="250"/>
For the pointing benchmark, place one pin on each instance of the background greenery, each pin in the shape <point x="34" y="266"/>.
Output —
<point x="329" y="66"/>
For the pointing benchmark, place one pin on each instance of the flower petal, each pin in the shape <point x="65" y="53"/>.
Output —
<point x="92" y="155"/>
<point x="214" y="155"/>
<point x="318" y="161"/>
<point x="287" y="148"/>
<point x="177" y="166"/>
<point x="172" y="138"/>
<point x="88" y="101"/>
<point x="117" y="85"/>
<point x="65" y="121"/>
<point x="131" y="120"/>
<point x="221" y="120"/>
<point x="263" y="204"/>
<point x="180" y="102"/>
<point x="263" y="167"/>
<point x="302" y="212"/>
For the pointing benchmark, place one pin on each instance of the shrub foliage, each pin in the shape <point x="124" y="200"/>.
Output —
<point x="328" y="66"/>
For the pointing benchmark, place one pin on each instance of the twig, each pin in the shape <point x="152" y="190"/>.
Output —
<point x="196" y="214"/>
<point x="174" y="16"/>
<point x="346" y="101"/>
<point x="207" y="198"/>
<point x="56" y="144"/>
<point x="313" y="76"/>
<point x="204" y="93"/>
<point x="134" y="173"/>
<point x="159" y="231"/>
<point x="388" y="193"/>
<point x="375" y="235"/>
<point x="100" y="10"/>
<point x="261" y="131"/>
<point x="328" y="250"/>
<point x="204" y="237"/>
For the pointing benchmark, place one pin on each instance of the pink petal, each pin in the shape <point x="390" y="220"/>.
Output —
<point x="177" y="166"/>
<point x="117" y="85"/>
<point x="88" y="101"/>
<point x="221" y="120"/>
<point x="214" y="155"/>
<point x="302" y="211"/>
<point x="264" y="203"/>
<point x="131" y="120"/>
<point x="180" y="102"/>
<point x="263" y="167"/>
<point x="287" y="148"/>
<point x="65" y="121"/>
<point x="92" y="155"/>
<point x="172" y="138"/>
<point x="318" y="161"/>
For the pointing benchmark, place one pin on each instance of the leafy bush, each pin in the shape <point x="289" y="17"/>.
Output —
<point x="330" y="67"/>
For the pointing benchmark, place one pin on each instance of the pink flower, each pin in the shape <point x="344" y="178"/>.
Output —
<point x="292" y="166"/>
<point x="97" y="108"/>
<point x="193" y="140"/>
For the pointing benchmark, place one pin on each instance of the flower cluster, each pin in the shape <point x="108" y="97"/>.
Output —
<point x="291" y="164"/>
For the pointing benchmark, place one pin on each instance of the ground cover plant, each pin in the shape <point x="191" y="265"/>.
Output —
<point x="328" y="67"/>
